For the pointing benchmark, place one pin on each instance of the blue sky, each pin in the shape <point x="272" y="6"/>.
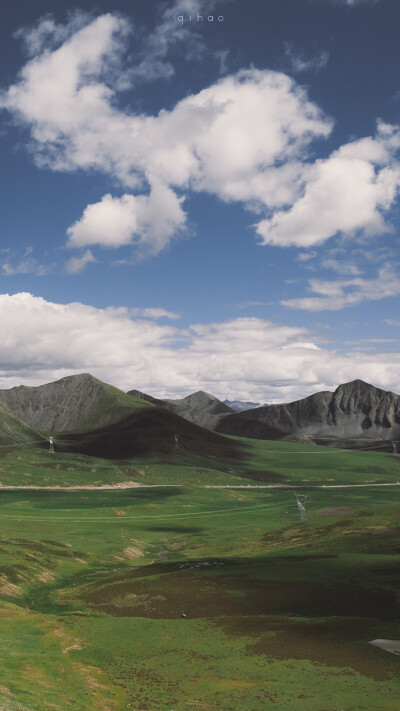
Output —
<point x="205" y="204"/>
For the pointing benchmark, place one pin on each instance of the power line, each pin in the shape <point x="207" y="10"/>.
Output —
<point x="23" y="444"/>
<point x="222" y="512"/>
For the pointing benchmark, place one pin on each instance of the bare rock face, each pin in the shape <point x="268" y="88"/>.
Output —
<point x="201" y="408"/>
<point x="354" y="410"/>
<point x="360" y="409"/>
<point x="68" y="405"/>
<point x="148" y="398"/>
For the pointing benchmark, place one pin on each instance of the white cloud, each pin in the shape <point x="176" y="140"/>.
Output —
<point x="246" y="138"/>
<point x="240" y="139"/>
<point x="306" y="256"/>
<point x="112" y="222"/>
<point x="148" y="221"/>
<point x="334" y="295"/>
<point x="347" y="193"/>
<point x="343" y="268"/>
<point x="247" y="358"/>
<point x="47" y="33"/>
<point x="76" y="265"/>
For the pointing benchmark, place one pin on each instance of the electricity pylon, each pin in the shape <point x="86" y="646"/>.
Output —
<point x="301" y="500"/>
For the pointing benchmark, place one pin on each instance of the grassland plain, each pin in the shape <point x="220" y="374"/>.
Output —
<point x="279" y="612"/>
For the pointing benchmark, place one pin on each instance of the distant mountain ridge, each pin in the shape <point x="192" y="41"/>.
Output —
<point x="240" y="405"/>
<point x="200" y="407"/>
<point x="356" y="409"/>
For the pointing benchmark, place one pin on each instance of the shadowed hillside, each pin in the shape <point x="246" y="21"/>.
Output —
<point x="200" y="407"/>
<point x="151" y="432"/>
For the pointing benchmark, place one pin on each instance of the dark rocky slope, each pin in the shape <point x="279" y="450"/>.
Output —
<point x="201" y="408"/>
<point x="355" y="410"/>
<point x="148" y="398"/>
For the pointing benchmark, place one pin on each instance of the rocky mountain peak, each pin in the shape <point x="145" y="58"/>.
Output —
<point x="68" y="404"/>
<point x="354" y="409"/>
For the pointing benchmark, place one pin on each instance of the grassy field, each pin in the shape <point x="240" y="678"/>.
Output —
<point x="257" y="462"/>
<point x="279" y="612"/>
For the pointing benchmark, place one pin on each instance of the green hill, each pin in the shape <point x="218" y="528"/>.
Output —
<point x="14" y="431"/>
<point x="72" y="404"/>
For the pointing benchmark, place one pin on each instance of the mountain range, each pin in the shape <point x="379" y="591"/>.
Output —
<point x="112" y="423"/>
<point x="90" y="417"/>
<point x="201" y="408"/>
<point x="240" y="406"/>
<point x="355" y="410"/>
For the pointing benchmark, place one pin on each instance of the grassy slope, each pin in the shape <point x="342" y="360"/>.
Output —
<point x="114" y="405"/>
<point x="311" y="464"/>
<point x="280" y="463"/>
<point x="14" y="431"/>
<point x="256" y="462"/>
<point x="92" y="592"/>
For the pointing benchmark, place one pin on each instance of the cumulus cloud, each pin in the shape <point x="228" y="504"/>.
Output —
<point x="334" y="295"/>
<point x="246" y="358"/>
<point x="241" y="138"/>
<point x="246" y="138"/>
<point x="148" y="221"/>
<point x="347" y="193"/>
